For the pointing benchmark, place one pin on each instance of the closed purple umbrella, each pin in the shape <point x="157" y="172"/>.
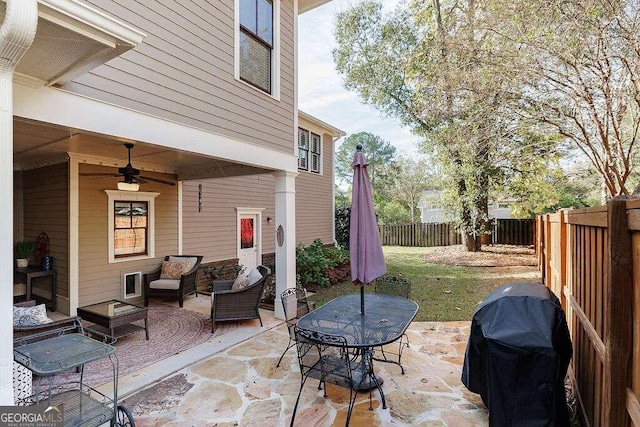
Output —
<point x="367" y="259"/>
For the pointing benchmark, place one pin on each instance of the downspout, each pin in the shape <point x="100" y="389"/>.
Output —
<point x="333" y="189"/>
<point x="16" y="35"/>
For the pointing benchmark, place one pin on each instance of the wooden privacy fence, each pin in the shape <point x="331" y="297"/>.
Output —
<point x="442" y="234"/>
<point x="512" y="232"/>
<point x="504" y="231"/>
<point x="590" y="258"/>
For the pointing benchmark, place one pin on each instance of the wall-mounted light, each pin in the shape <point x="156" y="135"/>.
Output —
<point x="128" y="186"/>
<point x="199" y="197"/>
<point x="269" y="219"/>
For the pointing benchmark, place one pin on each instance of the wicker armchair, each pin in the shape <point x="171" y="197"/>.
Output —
<point x="237" y="305"/>
<point x="174" y="289"/>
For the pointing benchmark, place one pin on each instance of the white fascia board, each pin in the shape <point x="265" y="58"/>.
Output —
<point x="326" y="128"/>
<point x="59" y="107"/>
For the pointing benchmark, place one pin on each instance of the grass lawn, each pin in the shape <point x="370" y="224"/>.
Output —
<point x="443" y="292"/>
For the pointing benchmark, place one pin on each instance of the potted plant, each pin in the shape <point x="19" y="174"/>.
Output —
<point x="24" y="249"/>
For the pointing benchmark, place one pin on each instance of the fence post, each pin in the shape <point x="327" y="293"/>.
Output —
<point x="618" y="314"/>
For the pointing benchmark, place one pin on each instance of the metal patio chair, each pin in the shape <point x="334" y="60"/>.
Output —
<point x="400" y="286"/>
<point x="326" y="358"/>
<point x="293" y="299"/>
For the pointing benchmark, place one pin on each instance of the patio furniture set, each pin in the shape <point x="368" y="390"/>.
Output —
<point x="337" y="342"/>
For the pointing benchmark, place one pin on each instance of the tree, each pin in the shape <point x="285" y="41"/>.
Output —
<point x="412" y="178"/>
<point x="379" y="153"/>
<point x="425" y="65"/>
<point x="580" y="62"/>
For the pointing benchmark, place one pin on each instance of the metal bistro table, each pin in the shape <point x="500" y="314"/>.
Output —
<point x="386" y="318"/>
<point x="59" y="350"/>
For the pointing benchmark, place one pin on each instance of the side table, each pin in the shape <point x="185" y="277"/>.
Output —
<point x="32" y="272"/>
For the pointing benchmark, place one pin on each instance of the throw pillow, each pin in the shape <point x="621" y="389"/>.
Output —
<point x="254" y="275"/>
<point x="173" y="270"/>
<point x="241" y="282"/>
<point x="30" y="316"/>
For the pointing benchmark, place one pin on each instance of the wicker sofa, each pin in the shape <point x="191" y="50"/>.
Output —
<point x="154" y="286"/>
<point x="227" y="304"/>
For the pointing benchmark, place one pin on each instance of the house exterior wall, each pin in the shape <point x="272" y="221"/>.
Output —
<point x="46" y="208"/>
<point x="98" y="279"/>
<point x="184" y="71"/>
<point x="212" y="232"/>
<point x="314" y="198"/>
<point x="18" y="207"/>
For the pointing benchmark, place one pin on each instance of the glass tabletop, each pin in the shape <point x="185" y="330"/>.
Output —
<point x="385" y="319"/>
<point x="60" y="353"/>
<point x="111" y="308"/>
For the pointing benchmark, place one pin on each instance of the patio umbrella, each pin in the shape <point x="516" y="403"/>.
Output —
<point x="367" y="259"/>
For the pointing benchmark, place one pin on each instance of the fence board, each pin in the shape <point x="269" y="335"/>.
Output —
<point x="423" y="235"/>
<point x="600" y="288"/>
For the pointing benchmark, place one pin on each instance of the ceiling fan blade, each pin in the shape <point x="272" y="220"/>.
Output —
<point x="140" y="180"/>
<point x="158" y="180"/>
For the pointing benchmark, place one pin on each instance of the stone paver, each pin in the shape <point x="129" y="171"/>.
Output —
<point x="242" y="386"/>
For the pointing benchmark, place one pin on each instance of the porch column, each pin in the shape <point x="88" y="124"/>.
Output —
<point x="285" y="193"/>
<point x="16" y="35"/>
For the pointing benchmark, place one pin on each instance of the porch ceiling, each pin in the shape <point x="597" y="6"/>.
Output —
<point x="38" y="144"/>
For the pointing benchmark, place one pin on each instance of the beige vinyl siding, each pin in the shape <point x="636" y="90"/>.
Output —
<point x="184" y="71"/>
<point x="314" y="199"/>
<point x="213" y="231"/>
<point x="98" y="279"/>
<point x="46" y="208"/>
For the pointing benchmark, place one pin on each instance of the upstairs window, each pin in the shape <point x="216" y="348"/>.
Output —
<point x="257" y="43"/>
<point x="309" y="146"/>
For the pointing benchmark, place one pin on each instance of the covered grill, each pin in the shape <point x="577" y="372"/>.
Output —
<point x="517" y="356"/>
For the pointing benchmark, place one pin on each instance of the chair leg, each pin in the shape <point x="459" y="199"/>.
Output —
<point x="295" y="408"/>
<point x="180" y="301"/>
<point x="285" y="352"/>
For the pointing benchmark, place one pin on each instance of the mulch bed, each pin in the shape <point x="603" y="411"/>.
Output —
<point x="489" y="256"/>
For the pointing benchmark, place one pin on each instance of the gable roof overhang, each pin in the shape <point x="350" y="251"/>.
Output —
<point x="307" y="5"/>
<point x="72" y="38"/>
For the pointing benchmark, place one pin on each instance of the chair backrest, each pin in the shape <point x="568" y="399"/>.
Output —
<point x="324" y="356"/>
<point x="393" y="285"/>
<point x="294" y="298"/>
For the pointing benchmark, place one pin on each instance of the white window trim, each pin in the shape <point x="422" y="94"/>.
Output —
<point x="311" y="129"/>
<point x="130" y="196"/>
<point x="275" y="53"/>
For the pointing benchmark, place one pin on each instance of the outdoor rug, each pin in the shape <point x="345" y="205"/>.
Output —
<point x="172" y="330"/>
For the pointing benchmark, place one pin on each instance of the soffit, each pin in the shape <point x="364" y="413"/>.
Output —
<point x="72" y="38"/>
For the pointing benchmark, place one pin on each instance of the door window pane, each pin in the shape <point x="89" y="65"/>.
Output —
<point x="246" y="233"/>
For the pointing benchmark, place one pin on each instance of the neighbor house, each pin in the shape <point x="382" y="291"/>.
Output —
<point x="432" y="208"/>
<point x="206" y="93"/>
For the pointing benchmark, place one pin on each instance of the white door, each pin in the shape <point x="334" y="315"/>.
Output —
<point x="248" y="241"/>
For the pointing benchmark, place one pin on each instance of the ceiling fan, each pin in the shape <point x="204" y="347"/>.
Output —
<point x="130" y="176"/>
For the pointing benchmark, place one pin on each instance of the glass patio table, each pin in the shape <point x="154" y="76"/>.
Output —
<point x="385" y="319"/>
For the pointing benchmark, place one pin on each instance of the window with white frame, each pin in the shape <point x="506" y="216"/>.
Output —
<point x="309" y="147"/>
<point x="131" y="225"/>
<point x="256" y="43"/>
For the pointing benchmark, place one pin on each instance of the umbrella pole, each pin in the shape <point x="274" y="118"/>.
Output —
<point x="362" y="299"/>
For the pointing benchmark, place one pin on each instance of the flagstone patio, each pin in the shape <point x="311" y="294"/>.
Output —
<point x="237" y="383"/>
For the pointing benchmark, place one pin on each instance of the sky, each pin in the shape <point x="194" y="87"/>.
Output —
<point x="320" y="89"/>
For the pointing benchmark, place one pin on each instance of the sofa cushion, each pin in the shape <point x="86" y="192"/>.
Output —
<point x="30" y="316"/>
<point x="165" y="284"/>
<point x="173" y="270"/>
<point x="254" y="275"/>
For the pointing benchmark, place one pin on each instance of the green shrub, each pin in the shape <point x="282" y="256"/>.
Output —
<point x="314" y="261"/>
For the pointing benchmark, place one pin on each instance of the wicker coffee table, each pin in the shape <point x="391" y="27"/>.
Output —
<point x="115" y="318"/>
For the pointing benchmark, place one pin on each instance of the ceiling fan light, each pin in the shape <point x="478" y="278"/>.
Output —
<point x="128" y="186"/>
